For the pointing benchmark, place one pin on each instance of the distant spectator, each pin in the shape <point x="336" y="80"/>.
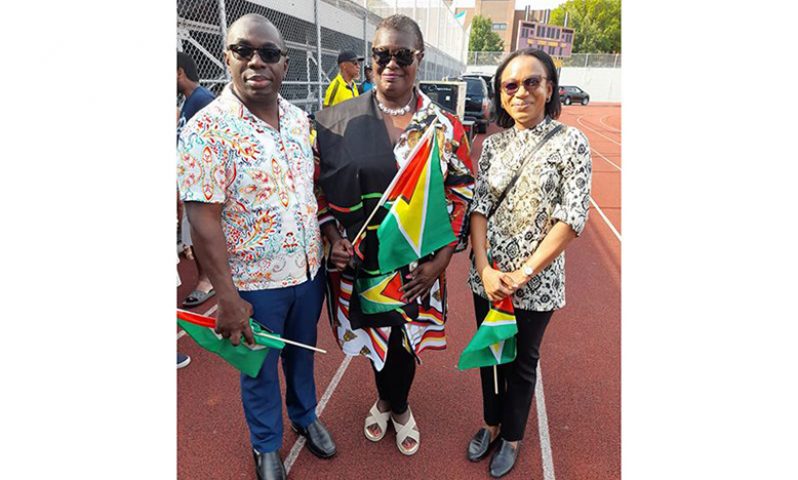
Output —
<point x="367" y="83"/>
<point x="343" y="86"/>
<point x="197" y="97"/>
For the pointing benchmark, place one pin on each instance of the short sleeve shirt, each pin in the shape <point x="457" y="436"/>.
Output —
<point x="264" y="179"/>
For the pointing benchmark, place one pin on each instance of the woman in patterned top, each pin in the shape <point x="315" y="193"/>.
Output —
<point x="518" y="238"/>
<point x="361" y="143"/>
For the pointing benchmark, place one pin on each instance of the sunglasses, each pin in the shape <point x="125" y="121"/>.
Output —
<point x="269" y="54"/>
<point x="510" y="87"/>
<point x="404" y="56"/>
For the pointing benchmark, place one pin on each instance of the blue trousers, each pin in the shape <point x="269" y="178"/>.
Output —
<point x="292" y="312"/>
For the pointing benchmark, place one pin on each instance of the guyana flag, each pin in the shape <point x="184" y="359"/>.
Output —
<point x="243" y="357"/>
<point x="381" y="293"/>
<point x="494" y="342"/>
<point x="417" y="222"/>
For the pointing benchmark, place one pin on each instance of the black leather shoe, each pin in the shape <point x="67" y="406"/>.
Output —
<point x="480" y="445"/>
<point x="504" y="459"/>
<point x="268" y="466"/>
<point x="320" y="442"/>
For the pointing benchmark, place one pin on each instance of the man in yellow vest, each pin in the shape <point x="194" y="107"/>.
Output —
<point x="343" y="86"/>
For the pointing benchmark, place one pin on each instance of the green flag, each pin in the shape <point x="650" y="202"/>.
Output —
<point x="417" y="222"/>
<point x="243" y="357"/>
<point x="494" y="342"/>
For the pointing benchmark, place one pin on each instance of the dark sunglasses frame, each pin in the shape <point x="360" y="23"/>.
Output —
<point x="510" y="87"/>
<point x="269" y="53"/>
<point x="404" y="56"/>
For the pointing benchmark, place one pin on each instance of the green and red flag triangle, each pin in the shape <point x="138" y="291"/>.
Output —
<point x="494" y="342"/>
<point x="247" y="359"/>
<point x="417" y="222"/>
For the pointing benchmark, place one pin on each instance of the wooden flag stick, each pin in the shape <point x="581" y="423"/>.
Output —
<point x="495" y="381"/>
<point x="289" y="342"/>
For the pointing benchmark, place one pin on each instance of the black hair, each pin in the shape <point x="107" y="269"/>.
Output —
<point x="403" y="23"/>
<point x="553" y="107"/>
<point x="185" y="62"/>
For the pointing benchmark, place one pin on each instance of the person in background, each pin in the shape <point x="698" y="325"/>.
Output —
<point x="252" y="208"/>
<point x="343" y="86"/>
<point x="531" y="200"/>
<point x="367" y="84"/>
<point x="353" y="175"/>
<point x="196" y="98"/>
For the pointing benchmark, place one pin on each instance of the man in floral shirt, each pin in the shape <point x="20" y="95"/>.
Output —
<point x="245" y="172"/>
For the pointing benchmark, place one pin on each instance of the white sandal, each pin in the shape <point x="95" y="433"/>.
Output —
<point x="376" y="417"/>
<point x="403" y="432"/>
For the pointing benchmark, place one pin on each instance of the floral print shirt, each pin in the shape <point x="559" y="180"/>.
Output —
<point x="264" y="179"/>
<point x="553" y="186"/>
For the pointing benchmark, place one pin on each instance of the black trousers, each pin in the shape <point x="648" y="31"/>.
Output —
<point x="516" y="379"/>
<point x="396" y="377"/>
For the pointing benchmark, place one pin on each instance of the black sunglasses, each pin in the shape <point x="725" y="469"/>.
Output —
<point x="530" y="83"/>
<point x="269" y="54"/>
<point x="404" y="56"/>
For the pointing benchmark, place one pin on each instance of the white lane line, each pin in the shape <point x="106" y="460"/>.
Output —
<point x="210" y="311"/>
<point x="608" y="127"/>
<point x="605" y="158"/>
<point x="607" y="220"/>
<point x="579" y="121"/>
<point x="543" y="429"/>
<point x="300" y="442"/>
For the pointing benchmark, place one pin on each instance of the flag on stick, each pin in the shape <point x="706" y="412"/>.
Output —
<point x="417" y="222"/>
<point x="243" y="357"/>
<point x="494" y="342"/>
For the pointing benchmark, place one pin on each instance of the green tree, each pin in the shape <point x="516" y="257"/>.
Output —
<point x="596" y="24"/>
<point x="483" y="38"/>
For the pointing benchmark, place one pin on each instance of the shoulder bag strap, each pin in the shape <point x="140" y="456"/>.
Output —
<point x="510" y="185"/>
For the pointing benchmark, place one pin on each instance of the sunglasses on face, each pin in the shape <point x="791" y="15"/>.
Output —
<point x="510" y="87"/>
<point x="269" y="54"/>
<point x="404" y="56"/>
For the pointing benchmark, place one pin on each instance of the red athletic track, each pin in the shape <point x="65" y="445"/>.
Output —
<point x="580" y="364"/>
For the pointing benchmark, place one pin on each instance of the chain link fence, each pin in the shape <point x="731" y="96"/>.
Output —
<point x="583" y="60"/>
<point x="315" y="31"/>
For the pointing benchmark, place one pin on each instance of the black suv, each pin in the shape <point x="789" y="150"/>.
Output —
<point x="477" y="105"/>
<point x="569" y="94"/>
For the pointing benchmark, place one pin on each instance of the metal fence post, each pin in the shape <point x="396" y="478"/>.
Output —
<point x="587" y="57"/>
<point x="223" y="27"/>
<point x="320" y="95"/>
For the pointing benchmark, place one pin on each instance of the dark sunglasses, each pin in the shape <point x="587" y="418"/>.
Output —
<point x="510" y="87"/>
<point x="404" y="56"/>
<point x="269" y="54"/>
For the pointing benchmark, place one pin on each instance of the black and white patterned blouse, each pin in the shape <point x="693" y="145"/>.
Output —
<point x="554" y="185"/>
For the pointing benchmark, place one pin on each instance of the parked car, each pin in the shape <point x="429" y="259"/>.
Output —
<point x="478" y="102"/>
<point x="488" y="81"/>
<point x="570" y="94"/>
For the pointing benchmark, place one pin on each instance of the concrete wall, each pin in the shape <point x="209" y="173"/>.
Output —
<point x="603" y="84"/>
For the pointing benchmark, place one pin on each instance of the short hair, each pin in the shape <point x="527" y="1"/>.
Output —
<point x="252" y="18"/>
<point x="403" y="23"/>
<point x="553" y="108"/>
<point x="185" y="62"/>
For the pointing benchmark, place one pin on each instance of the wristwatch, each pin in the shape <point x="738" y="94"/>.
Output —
<point x="528" y="271"/>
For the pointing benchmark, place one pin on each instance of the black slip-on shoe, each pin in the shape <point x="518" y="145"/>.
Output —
<point x="320" y="442"/>
<point x="503" y="459"/>
<point x="268" y="466"/>
<point x="480" y="445"/>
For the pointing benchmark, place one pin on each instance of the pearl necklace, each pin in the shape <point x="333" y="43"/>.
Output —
<point x="396" y="112"/>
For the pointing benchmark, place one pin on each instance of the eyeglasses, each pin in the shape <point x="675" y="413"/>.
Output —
<point x="510" y="87"/>
<point x="404" y="56"/>
<point x="269" y="54"/>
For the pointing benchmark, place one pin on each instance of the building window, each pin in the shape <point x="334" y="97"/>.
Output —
<point x="500" y="26"/>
